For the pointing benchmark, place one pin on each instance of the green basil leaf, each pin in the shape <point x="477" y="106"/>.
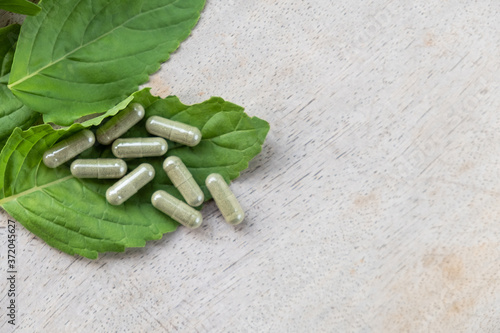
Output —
<point x="80" y="57"/>
<point x="72" y="214"/>
<point x="20" y="6"/>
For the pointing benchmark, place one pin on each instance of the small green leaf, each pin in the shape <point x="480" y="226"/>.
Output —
<point x="20" y="6"/>
<point x="72" y="214"/>
<point x="13" y="114"/>
<point x="12" y="111"/>
<point x="8" y="39"/>
<point x="85" y="56"/>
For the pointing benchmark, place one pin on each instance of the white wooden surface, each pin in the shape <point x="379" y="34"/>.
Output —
<point x="373" y="207"/>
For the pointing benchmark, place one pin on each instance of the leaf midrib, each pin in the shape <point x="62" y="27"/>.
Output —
<point x="75" y="50"/>
<point x="33" y="189"/>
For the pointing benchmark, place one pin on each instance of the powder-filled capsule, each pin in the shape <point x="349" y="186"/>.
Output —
<point x="68" y="148"/>
<point x="173" y="130"/>
<point x="225" y="199"/>
<point x="129" y="185"/>
<point x="119" y="124"/>
<point x="139" y="147"/>
<point x="183" y="181"/>
<point x="101" y="168"/>
<point x="176" y="209"/>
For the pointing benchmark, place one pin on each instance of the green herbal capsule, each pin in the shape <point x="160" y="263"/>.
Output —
<point x="129" y="185"/>
<point x="139" y="147"/>
<point x="225" y="199"/>
<point x="176" y="209"/>
<point x="101" y="168"/>
<point x="183" y="181"/>
<point x="173" y="130"/>
<point x="119" y="124"/>
<point x="68" y="148"/>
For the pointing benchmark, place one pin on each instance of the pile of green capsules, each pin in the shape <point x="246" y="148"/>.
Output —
<point x="130" y="184"/>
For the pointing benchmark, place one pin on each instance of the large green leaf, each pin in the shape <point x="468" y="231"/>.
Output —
<point x="72" y="214"/>
<point x="85" y="56"/>
<point x="66" y="212"/>
<point x="20" y="7"/>
<point x="13" y="113"/>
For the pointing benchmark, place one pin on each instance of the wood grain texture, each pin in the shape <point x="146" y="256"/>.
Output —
<point x="373" y="207"/>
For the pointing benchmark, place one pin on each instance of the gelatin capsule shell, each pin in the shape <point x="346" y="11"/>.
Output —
<point x="68" y="148"/>
<point x="225" y="199"/>
<point x="183" y="181"/>
<point x="120" y="123"/>
<point x="176" y="209"/>
<point x="129" y="185"/>
<point x="99" y="168"/>
<point x="174" y="130"/>
<point x="139" y="147"/>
